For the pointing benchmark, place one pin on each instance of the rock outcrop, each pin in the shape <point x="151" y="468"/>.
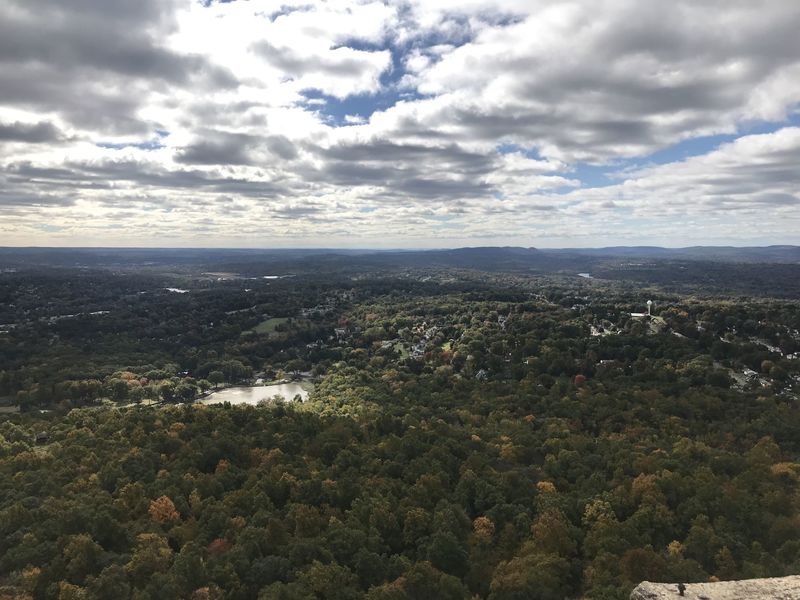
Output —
<point x="775" y="588"/>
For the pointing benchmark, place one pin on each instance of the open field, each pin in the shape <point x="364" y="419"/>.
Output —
<point x="270" y="325"/>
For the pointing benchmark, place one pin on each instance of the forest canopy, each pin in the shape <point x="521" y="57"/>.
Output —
<point x="469" y="435"/>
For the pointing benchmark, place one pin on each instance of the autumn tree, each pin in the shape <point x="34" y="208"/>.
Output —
<point x="162" y="510"/>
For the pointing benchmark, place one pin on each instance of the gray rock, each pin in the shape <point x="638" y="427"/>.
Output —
<point x="775" y="588"/>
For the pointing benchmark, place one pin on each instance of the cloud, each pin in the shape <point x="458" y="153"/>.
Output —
<point x="96" y="63"/>
<point x="620" y="81"/>
<point x="399" y="123"/>
<point x="339" y="72"/>
<point x="743" y="175"/>
<point x="218" y="148"/>
<point x="32" y="133"/>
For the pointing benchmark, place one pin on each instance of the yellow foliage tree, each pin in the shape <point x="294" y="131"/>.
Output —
<point x="162" y="510"/>
<point x="483" y="528"/>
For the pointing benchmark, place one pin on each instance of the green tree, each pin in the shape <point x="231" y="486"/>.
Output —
<point x="216" y="378"/>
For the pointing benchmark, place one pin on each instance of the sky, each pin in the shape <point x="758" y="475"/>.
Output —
<point x="399" y="124"/>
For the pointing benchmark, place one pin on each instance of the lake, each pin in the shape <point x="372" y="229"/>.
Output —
<point x="254" y="395"/>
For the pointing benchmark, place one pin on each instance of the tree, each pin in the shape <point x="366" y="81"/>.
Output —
<point x="640" y="564"/>
<point x="483" y="529"/>
<point x="702" y="543"/>
<point x="533" y="576"/>
<point x="186" y="392"/>
<point x="216" y="378"/>
<point x="553" y="534"/>
<point x="189" y="568"/>
<point x="137" y="394"/>
<point x="331" y="581"/>
<point x="24" y="400"/>
<point x="83" y="556"/>
<point x="68" y="591"/>
<point x="167" y="391"/>
<point x="111" y="583"/>
<point x="152" y="555"/>
<point x="162" y="510"/>
<point x="295" y="366"/>
<point x="448" y="554"/>
<point x="424" y="582"/>
<point x="118" y="389"/>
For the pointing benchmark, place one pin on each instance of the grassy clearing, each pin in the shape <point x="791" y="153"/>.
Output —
<point x="270" y="325"/>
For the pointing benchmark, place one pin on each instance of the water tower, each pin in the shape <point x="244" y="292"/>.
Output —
<point x="649" y="305"/>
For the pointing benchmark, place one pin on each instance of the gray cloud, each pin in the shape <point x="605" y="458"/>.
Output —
<point x="223" y="89"/>
<point x="620" y="81"/>
<point x="32" y="133"/>
<point x="407" y="170"/>
<point x="281" y="146"/>
<point x="218" y="148"/>
<point x="226" y="148"/>
<point x="97" y="176"/>
<point x="34" y="199"/>
<point x="94" y="61"/>
<point x="777" y="199"/>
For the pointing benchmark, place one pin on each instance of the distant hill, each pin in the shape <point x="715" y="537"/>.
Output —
<point x="767" y="254"/>
<point x="114" y="257"/>
<point x="512" y="258"/>
<point x="491" y="258"/>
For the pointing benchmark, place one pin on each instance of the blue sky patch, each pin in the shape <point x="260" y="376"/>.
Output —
<point x="149" y="145"/>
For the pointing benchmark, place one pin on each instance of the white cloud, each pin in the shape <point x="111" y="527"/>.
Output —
<point x="621" y="80"/>
<point x="215" y="136"/>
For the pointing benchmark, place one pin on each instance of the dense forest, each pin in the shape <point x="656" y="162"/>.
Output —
<point x="470" y="434"/>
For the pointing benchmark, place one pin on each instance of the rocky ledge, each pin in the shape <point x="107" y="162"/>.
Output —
<point x="775" y="588"/>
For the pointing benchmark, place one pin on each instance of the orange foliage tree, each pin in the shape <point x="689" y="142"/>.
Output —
<point x="162" y="510"/>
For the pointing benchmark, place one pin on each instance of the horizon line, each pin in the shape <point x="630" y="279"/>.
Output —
<point x="397" y="249"/>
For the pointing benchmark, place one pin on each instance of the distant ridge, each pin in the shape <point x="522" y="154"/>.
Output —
<point x="778" y="253"/>
<point x="500" y="257"/>
<point x="478" y="257"/>
<point x="755" y="271"/>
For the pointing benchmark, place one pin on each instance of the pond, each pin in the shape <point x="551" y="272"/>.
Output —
<point x="254" y="395"/>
